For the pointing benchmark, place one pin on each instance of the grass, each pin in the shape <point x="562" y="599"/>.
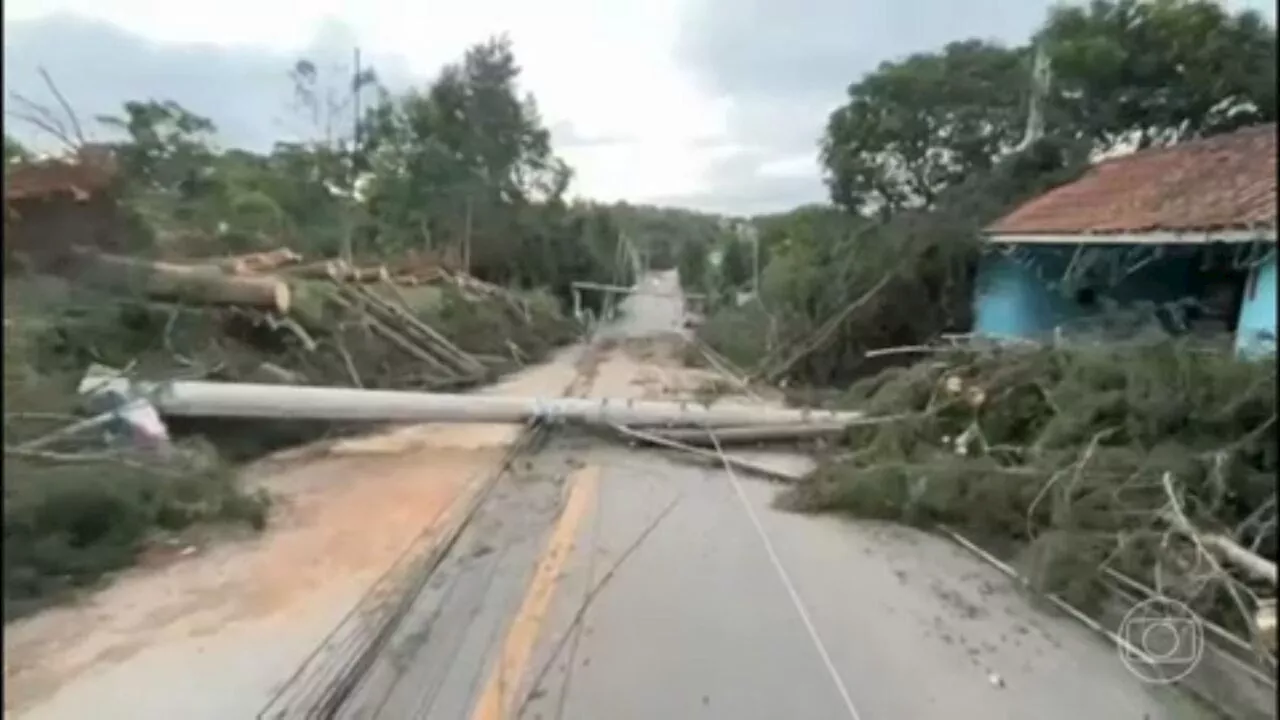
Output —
<point x="77" y="514"/>
<point x="68" y="525"/>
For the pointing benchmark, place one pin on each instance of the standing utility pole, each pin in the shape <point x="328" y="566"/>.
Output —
<point x="353" y="173"/>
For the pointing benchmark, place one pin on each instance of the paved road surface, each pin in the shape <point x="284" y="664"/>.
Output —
<point x="606" y="583"/>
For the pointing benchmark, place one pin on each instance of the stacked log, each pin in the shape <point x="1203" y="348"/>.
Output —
<point x="259" y="263"/>
<point x="194" y="284"/>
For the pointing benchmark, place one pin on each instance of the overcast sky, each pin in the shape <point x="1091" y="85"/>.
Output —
<point x="712" y="104"/>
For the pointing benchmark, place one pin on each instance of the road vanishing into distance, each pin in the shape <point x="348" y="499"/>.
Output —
<point x="599" y="581"/>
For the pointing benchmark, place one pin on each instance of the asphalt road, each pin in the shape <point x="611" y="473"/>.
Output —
<point x="602" y="582"/>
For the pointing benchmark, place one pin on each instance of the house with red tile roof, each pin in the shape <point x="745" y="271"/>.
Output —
<point x="1185" y="234"/>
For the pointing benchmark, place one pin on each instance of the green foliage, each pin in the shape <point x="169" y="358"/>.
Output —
<point x="72" y="516"/>
<point x="166" y="147"/>
<point x="739" y="333"/>
<point x="1064" y="451"/>
<point x="66" y="525"/>
<point x="915" y="127"/>
<point x="662" y="234"/>
<point x="692" y="265"/>
<point x="1158" y="72"/>
<point x="807" y="225"/>
<point x="931" y="148"/>
<point x="14" y="151"/>
<point x="907" y="279"/>
<point x="735" y="264"/>
<point x="1148" y="72"/>
<point x="475" y="157"/>
<point x="461" y="169"/>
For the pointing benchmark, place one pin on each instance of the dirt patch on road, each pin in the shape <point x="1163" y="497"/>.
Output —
<point x="243" y="614"/>
<point x="345" y="513"/>
<point x="331" y="535"/>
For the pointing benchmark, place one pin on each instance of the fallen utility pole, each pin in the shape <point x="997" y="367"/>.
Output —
<point x="251" y="400"/>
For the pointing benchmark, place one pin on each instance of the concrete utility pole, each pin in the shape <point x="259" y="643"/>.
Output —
<point x="247" y="400"/>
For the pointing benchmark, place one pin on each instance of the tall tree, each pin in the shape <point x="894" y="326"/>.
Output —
<point x="1156" y="72"/>
<point x="914" y="127"/>
<point x="461" y="162"/>
<point x="1124" y="72"/>
<point x="167" y="147"/>
<point x="692" y="265"/>
<point x="735" y="264"/>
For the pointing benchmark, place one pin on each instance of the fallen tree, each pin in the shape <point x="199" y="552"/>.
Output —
<point x="1155" y="462"/>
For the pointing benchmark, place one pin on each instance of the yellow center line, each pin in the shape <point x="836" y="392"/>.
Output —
<point x="505" y="677"/>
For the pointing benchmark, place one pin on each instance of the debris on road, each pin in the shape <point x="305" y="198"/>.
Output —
<point x="663" y="439"/>
<point x="1154" y="464"/>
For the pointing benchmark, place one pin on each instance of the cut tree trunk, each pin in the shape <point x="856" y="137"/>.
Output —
<point x="338" y="270"/>
<point x="202" y="285"/>
<point x="260" y="262"/>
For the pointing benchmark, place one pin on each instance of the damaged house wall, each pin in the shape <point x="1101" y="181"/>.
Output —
<point x="1036" y="292"/>
<point x="1256" y="333"/>
<point x="1182" y="238"/>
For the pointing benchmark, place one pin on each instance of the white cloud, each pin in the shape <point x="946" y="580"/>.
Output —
<point x="606" y="68"/>
<point x="794" y="166"/>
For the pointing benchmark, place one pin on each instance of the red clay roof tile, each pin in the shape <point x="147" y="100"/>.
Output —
<point x="1219" y="183"/>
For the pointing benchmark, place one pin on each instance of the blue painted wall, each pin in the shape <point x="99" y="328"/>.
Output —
<point x="1013" y="301"/>
<point x="1017" y="296"/>
<point x="1256" y="330"/>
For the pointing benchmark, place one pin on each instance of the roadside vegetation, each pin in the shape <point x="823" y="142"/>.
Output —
<point x="453" y="187"/>
<point x="1075" y="462"/>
